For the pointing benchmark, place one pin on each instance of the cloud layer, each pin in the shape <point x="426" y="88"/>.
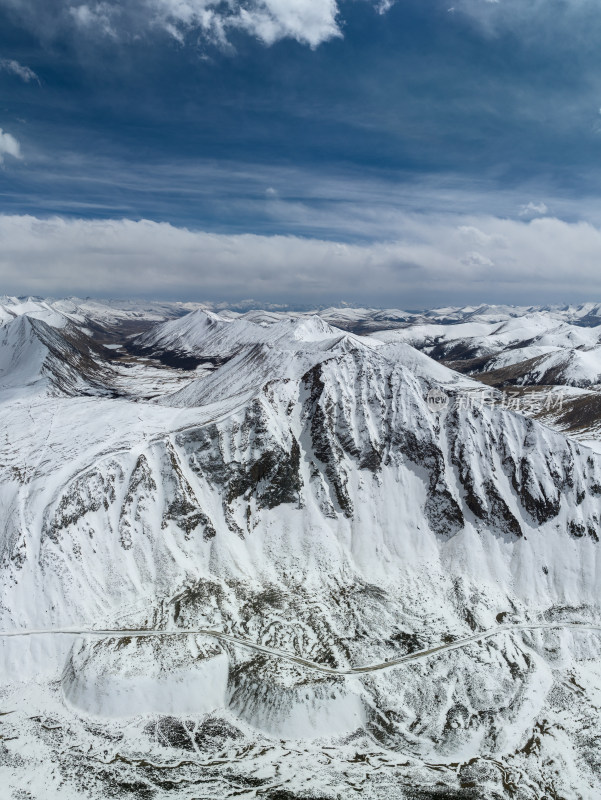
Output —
<point x="434" y="260"/>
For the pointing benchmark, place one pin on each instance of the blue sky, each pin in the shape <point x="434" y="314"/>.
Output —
<point x="304" y="151"/>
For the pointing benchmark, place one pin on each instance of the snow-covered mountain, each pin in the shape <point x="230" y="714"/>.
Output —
<point x="38" y="357"/>
<point x="209" y="337"/>
<point x="486" y="346"/>
<point x="105" y="320"/>
<point x="535" y="356"/>
<point x="300" y="493"/>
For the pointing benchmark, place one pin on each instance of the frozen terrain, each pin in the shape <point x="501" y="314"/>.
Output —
<point x="248" y="556"/>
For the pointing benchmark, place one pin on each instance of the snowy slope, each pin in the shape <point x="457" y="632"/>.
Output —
<point x="534" y="366"/>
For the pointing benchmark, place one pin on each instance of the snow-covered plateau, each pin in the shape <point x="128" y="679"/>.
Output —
<point x="211" y="517"/>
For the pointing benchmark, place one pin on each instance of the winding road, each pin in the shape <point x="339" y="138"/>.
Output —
<point x="417" y="655"/>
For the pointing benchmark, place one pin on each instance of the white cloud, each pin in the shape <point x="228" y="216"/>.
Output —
<point x="384" y="5"/>
<point x="309" y="22"/>
<point x="533" y="210"/>
<point x="537" y="260"/>
<point x="9" y="146"/>
<point x="95" y="17"/>
<point x="25" y="73"/>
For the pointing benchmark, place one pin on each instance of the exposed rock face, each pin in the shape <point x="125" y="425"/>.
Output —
<point x="136" y="506"/>
<point x="181" y="504"/>
<point x="90" y="493"/>
<point x="330" y="437"/>
<point x="245" y="459"/>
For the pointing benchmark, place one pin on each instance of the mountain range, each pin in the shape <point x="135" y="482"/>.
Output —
<point x="337" y="487"/>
